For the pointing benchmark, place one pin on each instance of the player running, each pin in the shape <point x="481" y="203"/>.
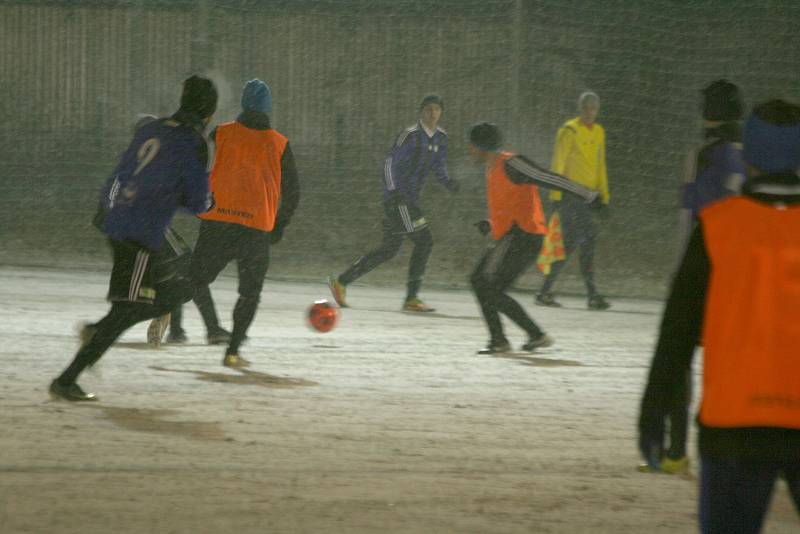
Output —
<point x="163" y="169"/>
<point x="417" y="151"/>
<point x="516" y="223"/>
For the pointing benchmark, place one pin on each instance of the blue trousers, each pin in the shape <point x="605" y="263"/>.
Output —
<point x="735" y="494"/>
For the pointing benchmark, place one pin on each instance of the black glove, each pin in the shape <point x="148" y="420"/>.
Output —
<point x="276" y="234"/>
<point x="598" y="208"/>
<point x="454" y="186"/>
<point x="484" y="226"/>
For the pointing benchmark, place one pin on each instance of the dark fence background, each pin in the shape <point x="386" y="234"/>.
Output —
<point x="346" y="77"/>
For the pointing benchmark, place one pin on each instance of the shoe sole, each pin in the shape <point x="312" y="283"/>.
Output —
<point x="59" y="397"/>
<point x="339" y="300"/>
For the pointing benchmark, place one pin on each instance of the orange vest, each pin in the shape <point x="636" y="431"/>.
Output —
<point x="751" y="330"/>
<point x="511" y="203"/>
<point x="246" y="178"/>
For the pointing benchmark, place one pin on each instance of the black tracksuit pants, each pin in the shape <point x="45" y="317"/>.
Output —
<point x="143" y="285"/>
<point x="497" y="270"/>
<point x="218" y="244"/>
<point x="400" y="221"/>
<point x="579" y="231"/>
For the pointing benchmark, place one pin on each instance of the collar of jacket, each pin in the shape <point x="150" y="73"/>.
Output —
<point x="779" y="188"/>
<point x="190" y="119"/>
<point x="255" y="120"/>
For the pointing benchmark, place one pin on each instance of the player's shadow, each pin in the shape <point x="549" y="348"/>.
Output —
<point x="245" y="378"/>
<point x="421" y="314"/>
<point x="157" y="421"/>
<point x="533" y="361"/>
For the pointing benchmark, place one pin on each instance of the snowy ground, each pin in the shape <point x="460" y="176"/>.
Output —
<point x="391" y="423"/>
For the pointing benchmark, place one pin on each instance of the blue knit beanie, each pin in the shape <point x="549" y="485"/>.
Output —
<point x="256" y="96"/>
<point x="772" y="137"/>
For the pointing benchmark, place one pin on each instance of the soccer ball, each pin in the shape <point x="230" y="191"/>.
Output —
<point x="322" y="316"/>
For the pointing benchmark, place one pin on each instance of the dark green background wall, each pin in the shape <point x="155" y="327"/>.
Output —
<point x="346" y="76"/>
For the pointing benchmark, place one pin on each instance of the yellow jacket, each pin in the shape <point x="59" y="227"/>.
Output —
<point x="580" y="155"/>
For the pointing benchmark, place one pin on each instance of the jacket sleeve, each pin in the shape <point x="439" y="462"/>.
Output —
<point x="565" y="138"/>
<point x="196" y="197"/>
<point x="602" y="178"/>
<point x="290" y="188"/>
<point x="440" y="168"/>
<point x="679" y="334"/>
<point x="399" y="162"/>
<point x="735" y="169"/>
<point x="522" y="170"/>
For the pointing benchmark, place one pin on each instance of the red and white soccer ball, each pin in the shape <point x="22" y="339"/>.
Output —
<point x="322" y="316"/>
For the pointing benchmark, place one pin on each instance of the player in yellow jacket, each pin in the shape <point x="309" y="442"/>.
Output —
<point x="580" y="155"/>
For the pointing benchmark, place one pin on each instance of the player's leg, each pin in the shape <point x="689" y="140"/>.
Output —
<point x="735" y="494"/>
<point x="481" y="283"/>
<point x="675" y="461"/>
<point x="393" y="232"/>
<point x="586" y="231"/>
<point x="177" y="334"/>
<point x="133" y="294"/>
<point x="170" y="262"/>
<point x="502" y="265"/>
<point x="569" y="232"/>
<point x="215" y="248"/>
<point x="791" y="473"/>
<point x="252" y="263"/>
<point x="523" y="248"/>
<point x="423" y="245"/>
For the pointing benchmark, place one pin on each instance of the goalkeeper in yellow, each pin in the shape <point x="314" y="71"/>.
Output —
<point x="580" y="155"/>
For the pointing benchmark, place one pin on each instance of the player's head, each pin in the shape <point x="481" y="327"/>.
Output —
<point x="722" y="102"/>
<point x="772" y="138"/>
<point x="483" y="139"/>
<point x="199" y="97"/>
<point x="142" y="120"/>
<point x="588" y="106"/>
<point x="257" y="96"/>
<point x="431" y="109"/>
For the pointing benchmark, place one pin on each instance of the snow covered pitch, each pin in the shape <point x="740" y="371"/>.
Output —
<point x="390" y="423"/>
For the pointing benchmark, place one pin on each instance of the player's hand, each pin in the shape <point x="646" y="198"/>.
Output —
<point x="484" y="226"/>
<point x="276" y="234"/>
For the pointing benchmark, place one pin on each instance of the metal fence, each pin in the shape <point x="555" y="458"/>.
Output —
<point x="346" y="76"/>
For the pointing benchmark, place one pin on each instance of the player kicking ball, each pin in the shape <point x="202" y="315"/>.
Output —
<point x="517" y="226"/>
<point x="163" y="169"/>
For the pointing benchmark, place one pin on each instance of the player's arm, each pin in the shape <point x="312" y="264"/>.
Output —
<point x="602" y="172"/>
<point x="565" y="138"/>
<point x="196" y="197"/>
<point x="440" y="169"/>
<point x="290" y="188"/>
<point x="522" y="170"/>
<point x="399" y="164"/>
<point x="734" y="166"/>
<point x="679" y="334"/>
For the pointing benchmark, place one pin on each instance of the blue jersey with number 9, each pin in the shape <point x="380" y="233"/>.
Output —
<point x="163" y="169"/>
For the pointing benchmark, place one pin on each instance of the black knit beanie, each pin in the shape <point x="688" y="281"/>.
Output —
<point x="199" y="96"/>
<point x="485" y="136"/>
<point x="722" y="101"/>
